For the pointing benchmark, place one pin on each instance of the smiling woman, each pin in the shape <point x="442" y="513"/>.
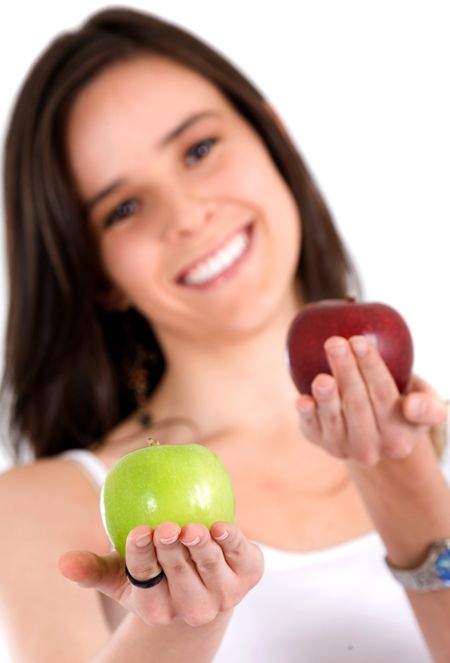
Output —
<point x="62" y="200"/>
<point x="196" y="223"/>
<point x="163" y="231"/>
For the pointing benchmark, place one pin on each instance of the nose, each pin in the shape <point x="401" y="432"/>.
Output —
<point x="187" y="214"/>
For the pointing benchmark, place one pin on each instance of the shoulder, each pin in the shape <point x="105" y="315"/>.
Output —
<point x="39" y="479"/>
<point x="52" y="492"/>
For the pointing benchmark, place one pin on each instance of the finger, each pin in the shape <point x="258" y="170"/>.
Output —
<point x="183" y="580"/>
<point x="243" y="556"/>
<point x="360" y="422"/>
<point x="140" y="553"/>
<point x="378" y="379"/>
<point x="309" y="421"/>
<point x="329" y="412"/>
<point x="106" y="574"/>
<point x="416" y="383"/>
<point x="424" y="409"/>
<point x="207" y="556"/>
<point x="431" y="411"/>
<point x="395" y="440"/>
<point x="152" y="604"/>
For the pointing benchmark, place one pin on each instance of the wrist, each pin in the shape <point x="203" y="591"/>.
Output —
<point x="408" y="500"/>
<point x="431" y="574"/>
<point x="420" y="465"/>
<point x="177" y="642"/>
<point x="178" y="627"/>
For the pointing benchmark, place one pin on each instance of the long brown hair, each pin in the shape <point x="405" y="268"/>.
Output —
<point x="66" y="358"/>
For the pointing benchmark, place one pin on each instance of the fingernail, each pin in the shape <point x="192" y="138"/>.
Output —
<point x="324" y="385"/>
<point x="222" y="537"/>
<point x="359" y="345"/>
<point x="143" y="541"/>
<point x="336" y="347"/>
<point x="171" y="539"/>
<point x="416" y="406"/>
<point x="305" y="406"/>
<point x="193" y="542"/>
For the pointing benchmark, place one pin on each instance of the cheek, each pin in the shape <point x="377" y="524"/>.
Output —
<point x="253" y="179"/>
<point x="126" y="258"/>
<point x="250" y="175"/>
<point x="278" y="202"/>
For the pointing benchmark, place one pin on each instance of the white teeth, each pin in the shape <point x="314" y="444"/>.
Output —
<point x="213" y="266"/>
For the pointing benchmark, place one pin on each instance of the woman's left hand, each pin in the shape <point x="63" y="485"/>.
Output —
<point x="358" y="413"/>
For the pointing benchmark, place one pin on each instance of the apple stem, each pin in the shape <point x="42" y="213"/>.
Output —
<point x="153" y="443"/>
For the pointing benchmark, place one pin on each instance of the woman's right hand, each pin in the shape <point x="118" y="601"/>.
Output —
<point x="207" y="572"/>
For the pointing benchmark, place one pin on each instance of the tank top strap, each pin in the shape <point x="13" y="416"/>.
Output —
<point x="93" y="466"/>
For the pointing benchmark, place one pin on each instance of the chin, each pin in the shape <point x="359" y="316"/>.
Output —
<point x="249" y="316"/>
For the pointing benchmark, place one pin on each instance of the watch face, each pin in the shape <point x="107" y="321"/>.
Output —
<point x="443" y="567"/>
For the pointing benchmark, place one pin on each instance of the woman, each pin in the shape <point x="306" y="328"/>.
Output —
<point x="162" y="234"/>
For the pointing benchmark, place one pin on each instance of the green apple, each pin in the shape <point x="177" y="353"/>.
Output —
<point x="182" y="483"/>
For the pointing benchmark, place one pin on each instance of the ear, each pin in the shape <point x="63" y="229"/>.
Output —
<point x="275" y="117"/>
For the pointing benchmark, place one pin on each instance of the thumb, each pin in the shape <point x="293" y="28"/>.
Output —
<point x="426" y="409"/>
<point x="107" y="574"/>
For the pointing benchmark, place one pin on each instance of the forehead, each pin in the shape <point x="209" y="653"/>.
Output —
<point x="143" y="86"/>
<point x="159" y="71"/>
<point x="147" y="92"/>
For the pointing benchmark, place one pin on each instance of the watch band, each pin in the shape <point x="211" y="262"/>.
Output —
<point x="432" y="574"/>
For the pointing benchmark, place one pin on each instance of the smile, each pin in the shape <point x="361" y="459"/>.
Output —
<point x="220" y="262"/>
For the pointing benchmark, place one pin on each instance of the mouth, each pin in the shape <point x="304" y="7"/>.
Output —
<point x="220" y="263"/>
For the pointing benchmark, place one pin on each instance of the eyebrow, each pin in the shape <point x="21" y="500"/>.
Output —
<point x="188" y="122"/>
<point x="164" y="142"/>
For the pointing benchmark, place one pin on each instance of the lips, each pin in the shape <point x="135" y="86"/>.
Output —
<point x="219" y="262"/>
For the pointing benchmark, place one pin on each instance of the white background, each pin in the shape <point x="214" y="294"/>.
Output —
<point x="364" y="88"/>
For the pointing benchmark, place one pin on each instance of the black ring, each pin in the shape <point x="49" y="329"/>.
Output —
<point x="144" y="584"/>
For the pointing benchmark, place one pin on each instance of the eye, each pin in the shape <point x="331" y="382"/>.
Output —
<point x="199" y="150"/>
<point x="122" y="211"/>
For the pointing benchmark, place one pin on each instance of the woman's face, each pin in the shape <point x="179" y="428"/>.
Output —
<point x="195" y="226"/>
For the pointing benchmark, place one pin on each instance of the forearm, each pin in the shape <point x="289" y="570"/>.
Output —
<point x="136" y="642"/>
<point x="409" y="502"/>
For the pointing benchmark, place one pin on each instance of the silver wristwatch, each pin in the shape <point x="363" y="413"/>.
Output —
<point x="433" y="573"/>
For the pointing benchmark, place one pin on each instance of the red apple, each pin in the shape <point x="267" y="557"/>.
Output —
<point x="316" y="322"/>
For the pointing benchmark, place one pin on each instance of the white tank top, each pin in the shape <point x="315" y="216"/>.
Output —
<point x="96" y="470"/>
<point x="338" y="605"/>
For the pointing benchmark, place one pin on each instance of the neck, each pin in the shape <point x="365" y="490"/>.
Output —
<point x="221" y="383"/>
